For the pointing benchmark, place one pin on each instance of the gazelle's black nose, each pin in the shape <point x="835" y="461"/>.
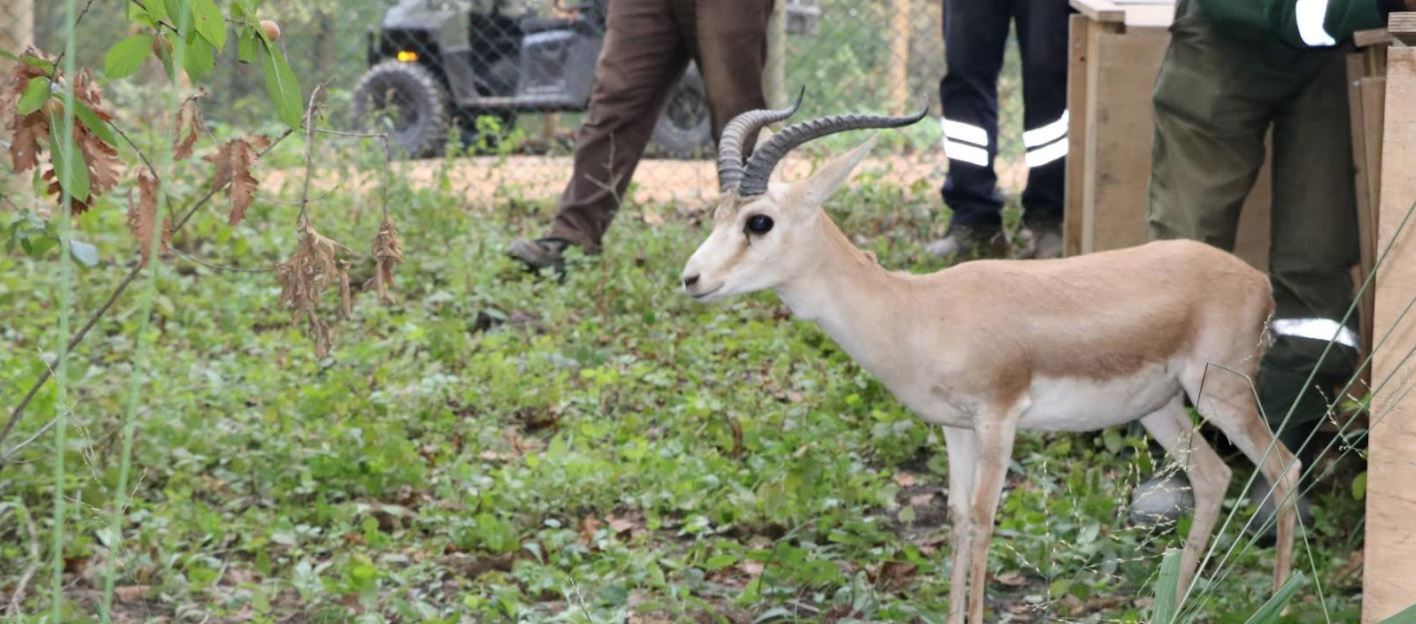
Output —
<point x="689" y="281"/>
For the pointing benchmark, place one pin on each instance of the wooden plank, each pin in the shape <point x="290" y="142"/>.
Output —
<point x="1091" y="165"/>
<point x="1100" y="10"/>
<point x="1371" y="37"/>
<point x="1356" y="115"/>
<point x="1389" y="563"/>
<point x="1150" y="16"/>
<point x="1402" y="26"/>
<point x="1076" y="134"/>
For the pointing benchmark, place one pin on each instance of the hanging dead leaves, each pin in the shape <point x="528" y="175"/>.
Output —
<point x="387" y="256"/>
<point x="314" y="268"/>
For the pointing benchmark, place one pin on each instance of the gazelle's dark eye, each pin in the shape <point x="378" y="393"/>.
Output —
<point x="759" y="224"/>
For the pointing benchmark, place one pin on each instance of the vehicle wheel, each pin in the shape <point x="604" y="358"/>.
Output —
<point x="407" y="101"/>
<point x="685" y="129"/>
<point x="483" y="131"/>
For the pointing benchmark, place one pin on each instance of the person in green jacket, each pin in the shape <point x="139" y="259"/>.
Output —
<point x="1235" y="71"/>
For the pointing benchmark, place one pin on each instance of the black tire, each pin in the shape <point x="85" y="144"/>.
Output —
<point x="685" y="129"/>
<point x="407" y="101"/>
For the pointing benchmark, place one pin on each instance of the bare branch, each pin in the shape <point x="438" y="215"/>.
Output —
<point x="93" y="319"/>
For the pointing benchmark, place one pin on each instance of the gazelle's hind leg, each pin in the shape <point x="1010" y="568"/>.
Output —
<point x="1209" y="478"/>
<point x="1228" y="402"/>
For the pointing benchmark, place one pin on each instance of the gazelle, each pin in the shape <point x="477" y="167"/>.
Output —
<point x="990" y="346"/>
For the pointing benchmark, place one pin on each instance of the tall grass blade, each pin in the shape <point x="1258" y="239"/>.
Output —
<point x="1166" y="588"/>
<point x="1406" y="616"/>
<point x="1272" y="609"/>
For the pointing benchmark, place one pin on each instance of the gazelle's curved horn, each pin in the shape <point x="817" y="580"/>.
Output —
<point x="745" y="125"/>
<point x="765" y="158"/>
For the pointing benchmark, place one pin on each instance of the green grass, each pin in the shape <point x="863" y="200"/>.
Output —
<point x="496" y="446"/>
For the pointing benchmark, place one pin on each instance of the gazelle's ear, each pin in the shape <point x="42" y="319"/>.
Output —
<point x="813" y="191"/>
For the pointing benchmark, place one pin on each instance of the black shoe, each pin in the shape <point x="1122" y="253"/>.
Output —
<point x="540" y="253"/>
<point x="1042" y="240"/>
<point x="966" y="242"/>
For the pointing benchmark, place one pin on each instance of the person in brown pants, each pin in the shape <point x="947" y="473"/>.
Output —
<point x="648" y="44"/>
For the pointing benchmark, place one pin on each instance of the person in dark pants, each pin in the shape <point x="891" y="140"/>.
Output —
<point x="975" y="32"/>
<point x="1236" y="70"/>
<point x="648" y="45"/>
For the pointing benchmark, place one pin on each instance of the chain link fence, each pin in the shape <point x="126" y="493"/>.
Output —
<point x="511" y="79"/>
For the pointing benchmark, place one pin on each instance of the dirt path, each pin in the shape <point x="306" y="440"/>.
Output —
<point x="486" y="180"/>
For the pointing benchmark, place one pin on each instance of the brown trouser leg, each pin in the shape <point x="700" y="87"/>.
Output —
<point x="648" y="44"/>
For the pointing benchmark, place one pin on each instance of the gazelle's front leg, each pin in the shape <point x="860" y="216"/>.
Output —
<point x="995" y="434"/>
<point x="962" y="446"/>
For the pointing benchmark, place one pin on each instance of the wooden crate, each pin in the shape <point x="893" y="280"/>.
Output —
<point x="1116" y="50"/>
<point x="1389" y="562"/>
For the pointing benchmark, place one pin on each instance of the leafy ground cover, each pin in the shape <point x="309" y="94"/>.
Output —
<point x="499" y="446"/>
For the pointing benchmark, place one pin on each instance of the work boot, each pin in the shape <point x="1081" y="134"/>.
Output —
<point x="1161" y="501"/>
<point x="1042" y="240"/>
<point x="967" y="242"/>
<point x="540" y="253"/>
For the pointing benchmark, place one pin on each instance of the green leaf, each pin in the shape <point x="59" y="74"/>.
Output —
<point x="199" y="59"/>
<point x="35" y="95"/>
<point x="74" y="177"/>
<point x="1359" y="487"/>
<point x="85" y="253"/>
<point x="1273" y="608"/>
<point x="282" y="87"/>
<point x="126" y="56"/>
<point x="37" y="246"/>
<point x="1166" y="588"/>
<point x="210" y="23"/>
<point x="246" y="46"/>
<point x="35" y="61"/>
<point x="718" y="562"/>
<point x="158" y="9"/>
<point x="165" y="55"/>
<point x="182" y="15"/>
<point x="95" y="125"/>
<point x="9" y="55"/>
<point x="1406" y="616"/>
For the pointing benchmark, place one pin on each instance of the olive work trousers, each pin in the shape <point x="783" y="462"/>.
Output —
<point x="1216" y="96"/>
<point x="648" y="45"/>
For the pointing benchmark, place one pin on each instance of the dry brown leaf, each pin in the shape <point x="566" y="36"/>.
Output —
<point x="102" y="158"/>
<point x="621" y="525"/>
<point x="1011" y="579"/>
<point x="922" y="500"/>
<point x="142" y="216"/>
<point x="387" y="256"/>
<point x="233" y="160"/>
<point x="751" y="568"/>
<point x="896" y="572"/>
<point x="131" y="593"/>
<point x="27" y="132"/>
<point x="189" y="127"/>
<point x="588" y="526"/>
<point x="905" y="479"/>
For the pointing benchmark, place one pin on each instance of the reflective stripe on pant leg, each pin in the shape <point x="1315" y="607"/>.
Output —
<point x="1047" y="142"/>
<point x="1322" y="329"/>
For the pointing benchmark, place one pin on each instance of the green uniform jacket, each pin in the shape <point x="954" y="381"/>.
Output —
<point x="1301" y="23"/>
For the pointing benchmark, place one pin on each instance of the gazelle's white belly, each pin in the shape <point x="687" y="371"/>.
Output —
<point x="1085" y="404"/>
